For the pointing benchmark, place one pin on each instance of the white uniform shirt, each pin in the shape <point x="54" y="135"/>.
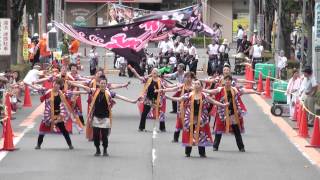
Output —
<point x="257" y="51"/>
<point x="163" y="46"/>
<point x="307" y="84"/>
<point x="179" y="48"/>
<point x="193" y="51"/>
<point x="240" y="34"/>
<point x="213" y="49"/>
<point x="223" y="49"/>
<point x="282" y="62"/>
<point x="32" y="76"/>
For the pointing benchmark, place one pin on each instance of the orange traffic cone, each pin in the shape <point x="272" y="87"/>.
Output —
<point x="295" y="112"/>
<point x="260" y="83"/>
<point x="250" y="78"/>
<point x="27" y="98"/>
<point x="7" y="131"/>
<point x="267" y="90"/>
<point x="246" y="72"/>
<point x="298" y="115"/>
<point x="303" y="128"/>
<point x="315" y="139"/>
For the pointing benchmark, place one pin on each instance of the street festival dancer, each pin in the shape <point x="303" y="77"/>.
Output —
<point x="100" y="114"/>
<point x="94" y="83"/>
<point x="196" y="128"/>
<point x="57" y="111"/>
<point x="184" y="88"/>
<point x="154" y="103"/>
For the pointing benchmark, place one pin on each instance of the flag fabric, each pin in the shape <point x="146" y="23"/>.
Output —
<point x="128" y="40"/>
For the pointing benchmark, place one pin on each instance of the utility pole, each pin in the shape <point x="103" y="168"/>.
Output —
<point x="43" y="17"/>
<point x="316" y="42"/>
<point x="252" y="12"/>
<point x="277" y="45"/>
<point x="303" y="28"/>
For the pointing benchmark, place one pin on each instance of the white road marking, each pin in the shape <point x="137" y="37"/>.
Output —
<point x="154" y="157"/>
<point x="16" y="140"/>
<point x="154" y="136"/>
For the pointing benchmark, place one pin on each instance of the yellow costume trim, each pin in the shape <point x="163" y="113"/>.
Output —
<point x="94" y="100"/>
<point x="192" y="119"/>
<point x="158" y="97"/>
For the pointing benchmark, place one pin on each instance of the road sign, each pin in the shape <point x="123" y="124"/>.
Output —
<point x="5" y="37"/>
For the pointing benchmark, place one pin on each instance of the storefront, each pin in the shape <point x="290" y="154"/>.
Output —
<point x="94" y="12"/>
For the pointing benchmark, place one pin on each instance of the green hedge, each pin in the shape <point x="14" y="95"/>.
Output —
<point x="23" y="69"/>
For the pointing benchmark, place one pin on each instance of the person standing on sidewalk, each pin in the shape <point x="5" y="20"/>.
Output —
<point x="292" y="91"/>
<point x="256" y="52"/>
<point x="307" y="92"/>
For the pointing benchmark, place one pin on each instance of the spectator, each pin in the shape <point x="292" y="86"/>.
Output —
<point x="239" y="35"/>
<point x="255" y="37"/>
<point x="213" y="52"/>
<point x="44" y="52"/>
<point x="245" y="46"/>
<point x="65" y="46"/>
<point x="292" y="91"/>
<point x="307" y="92"/>
<point x="73" y="49"/>
<point x="256" y="50"/>
<point x="282" y="63"/>
<point x="224" y="52"/>
<point x="93" y="55"/>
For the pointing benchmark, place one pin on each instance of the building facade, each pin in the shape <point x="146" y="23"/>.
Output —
<point x="228" y="13"/>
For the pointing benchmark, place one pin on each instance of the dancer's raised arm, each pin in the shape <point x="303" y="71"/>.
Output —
<point x="135" y="73"/>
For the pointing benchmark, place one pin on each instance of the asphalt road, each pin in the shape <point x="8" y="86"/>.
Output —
<point x="151" y="155"/>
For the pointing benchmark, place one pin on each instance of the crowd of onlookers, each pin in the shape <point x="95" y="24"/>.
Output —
<point x="171" y="52"/>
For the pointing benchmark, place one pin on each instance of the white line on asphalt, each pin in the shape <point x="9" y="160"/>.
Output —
<point x="303" y="153"/>
<point x="16" y="140"/>
<point x="154" y="157"/>
<point x="154" y="136"/>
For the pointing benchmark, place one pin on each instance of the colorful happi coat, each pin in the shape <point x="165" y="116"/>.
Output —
<point x="196" y="130"/>
<point x="109" y="95"/>
<point x="47" y="125"/>
<point x="222" y="120"/>
<point x="180" y="108"/>
<point x="75" y="101"/>
<point x="89" y="130"/>
<point x="158" y="108"/>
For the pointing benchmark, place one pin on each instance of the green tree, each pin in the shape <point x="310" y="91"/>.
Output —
<point x="15" y="13"/>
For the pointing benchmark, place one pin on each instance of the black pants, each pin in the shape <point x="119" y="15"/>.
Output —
<point x="174" y="106"/>
<point x="255" y="61"/>
<point x="103" y="132"/>
<point x="142" y="125"/>
<point x="93" y="71"/>
<point x="201" y="149"/>
<point x="176" y="135"/>
<point x="81" y="119"/>
<point x="237" y="135"/>
<point x="62" y="129"/>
